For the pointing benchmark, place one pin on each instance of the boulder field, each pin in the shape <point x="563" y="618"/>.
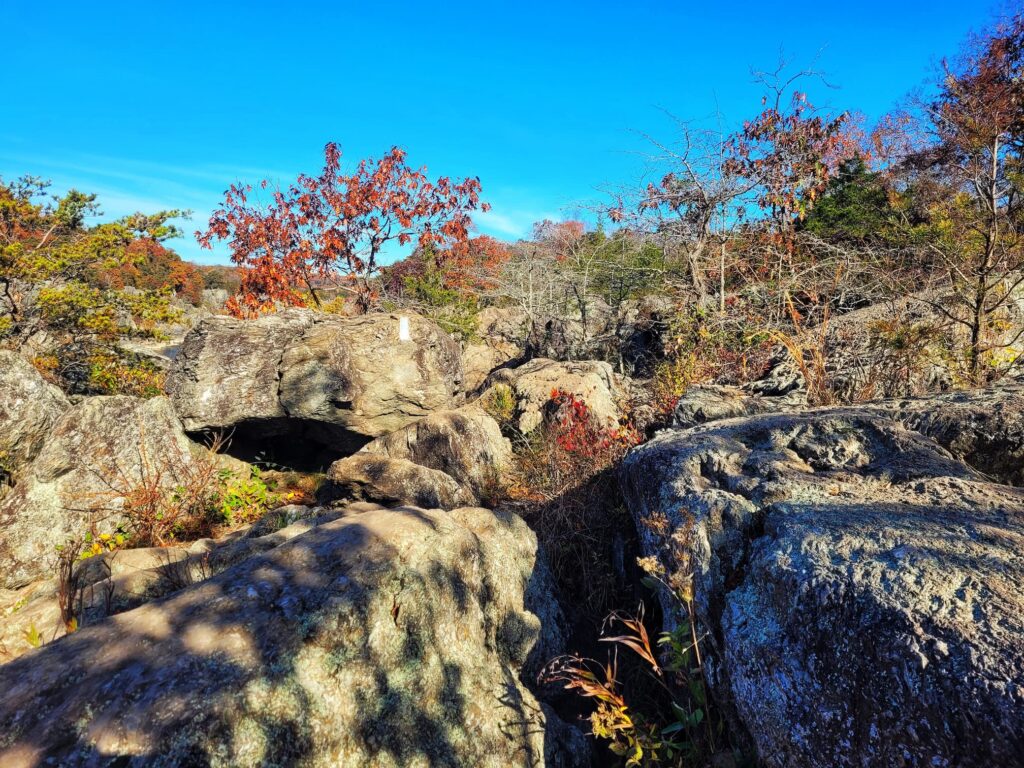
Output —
<point x="856" y="572"/>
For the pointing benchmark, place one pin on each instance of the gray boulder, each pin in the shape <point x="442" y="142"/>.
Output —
<point x="338" y="380"/>
<point x="593" y="382"/>
<point x="29" y="407"/>
<point x="359" y="374"/>
<point x="704" y="403"/>
<point x="96" y="454"/>
<point x="388" y="481"/>
<point x="465" y="443"/>
<point x="984" y="428"/>
<point x="859" y="586"/>
<point x="380" y="639"/>
<point x="227" y="370"/>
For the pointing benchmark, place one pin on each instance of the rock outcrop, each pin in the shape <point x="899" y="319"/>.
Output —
<point x="984" y="427"/>
<point x="594" y="382"/>
<point x="339" y="380"/>
<point x="118" y="581"/>
<point x="859" y="585"/>
<point x="98" y="452"/>
<point x="227" y="370"/>
<point x="388" y="481"/>
<point x="382" y="638"/>
<point x="704" y="403"/>
<point x="29" y="407"/>
<point x="465" y="443"/>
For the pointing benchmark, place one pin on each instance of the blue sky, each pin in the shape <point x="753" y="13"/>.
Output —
<point x="161" y="105"/>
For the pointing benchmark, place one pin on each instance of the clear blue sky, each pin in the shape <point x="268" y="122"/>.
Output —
<point x="161" y="105"/>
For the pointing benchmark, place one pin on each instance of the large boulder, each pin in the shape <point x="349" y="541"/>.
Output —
<point x="367" y="376"/>
<point x="29" y="407"/>
<point x="984" y="428"/>
<point x="465" y="443"/>
<point x="593" y="382"/>
<point x="98" y="453"/>
<point x="859" y="586"/>
<point x="380" y="639"/>
<point x="704" y="403"/>
<point x="388" y="481"/>
<point x="123" y="579"/>
<point x="227" y="370"/>
<point x="338" y="380"/>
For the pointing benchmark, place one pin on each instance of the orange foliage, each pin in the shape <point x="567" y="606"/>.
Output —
<point x="152" y="267"/>
<point x="336" y="225"/>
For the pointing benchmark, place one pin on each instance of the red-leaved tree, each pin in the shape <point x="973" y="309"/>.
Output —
<point x="332" y="228"/>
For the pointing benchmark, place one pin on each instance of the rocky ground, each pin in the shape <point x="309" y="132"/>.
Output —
<point x="857" y="569"/>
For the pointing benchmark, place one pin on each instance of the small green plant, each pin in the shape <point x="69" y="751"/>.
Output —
<point x="32" y="636"/>
<point x="243" y="500"/>
<point x="98" y="544"/>
<point x="680" y="728"/>
<point x="116" y="374"/>
<point x="500" y="404"/>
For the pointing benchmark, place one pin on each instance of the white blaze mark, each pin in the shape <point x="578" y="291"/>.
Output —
<point x="403" y="329"/>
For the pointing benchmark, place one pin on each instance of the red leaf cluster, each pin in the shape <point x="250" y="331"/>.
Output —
<point x="335" y="225"/>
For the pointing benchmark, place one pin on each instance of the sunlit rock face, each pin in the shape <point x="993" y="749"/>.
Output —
<point x="387" y="637"/>
<point x="465" y="443"/>
<point x="338" y="380"/>
<point x="594" y="382"/>
<point x="860" y="586"/>
<point x="29" y="407"/>
<point x="98" y="453"/>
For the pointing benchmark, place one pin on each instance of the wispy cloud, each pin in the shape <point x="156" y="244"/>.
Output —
<point x="124" y="186"/>
<point x="511" y="222"/>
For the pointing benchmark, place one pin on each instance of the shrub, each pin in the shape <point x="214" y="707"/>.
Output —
<point x="678" y="727"/>
<point x="242" y="500"/>
<point x="184" y="500"/>
<point x="563" y="483"/>
<point x="114" y="374"/>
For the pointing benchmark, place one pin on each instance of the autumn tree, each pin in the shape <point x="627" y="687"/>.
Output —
<point x="334" y="227"/>
<point x="694" y="207"/>
<point x="50" y="257"/>
<point x="977" y="153"/>
<point x="446" y="284"/>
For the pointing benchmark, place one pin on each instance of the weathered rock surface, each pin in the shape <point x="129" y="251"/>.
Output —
<point x="388" y="481"/>
<point x="97" y="452"/>
<point x="344" y="380"/>
<point x="984" y="427"/>
<point x="226" y="372"/>
<point x="465" y="443"/>
<point x="532" y="384"/>
<point x="29" y="407"/>
<point x="358" y="374"/>
<point x="124" y="579"/>
<point x="383" y="638"/>
<point x="860" y="586"/>
<point x="704" y="403"/>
